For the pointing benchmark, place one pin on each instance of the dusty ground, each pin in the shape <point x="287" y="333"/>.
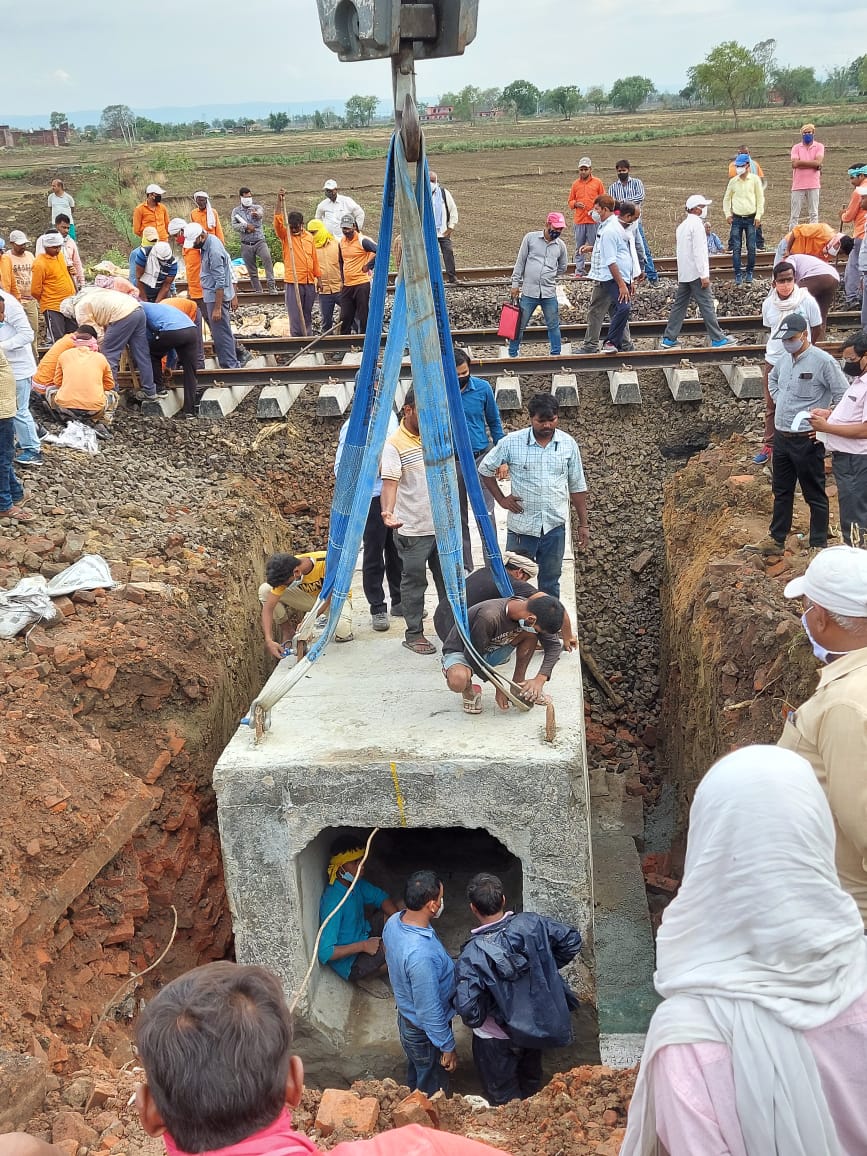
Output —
<point x="500" y="193"/>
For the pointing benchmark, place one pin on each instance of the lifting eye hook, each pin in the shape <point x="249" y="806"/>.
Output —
<point x="406" y="116"/>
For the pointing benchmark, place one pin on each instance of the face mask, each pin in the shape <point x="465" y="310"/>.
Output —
<point x="440" y="909"/>
<point x="820" y="652"/>
<point x="433" y="186"/>
<point x="554" y="233"/>
<point x="785" y="289"/>
<point x="703" y="213"/>
<point x="157" y="198"/>
<point x="246" y="201"/>
<point x="623" y="177"/>
<point x="596" y="215"/>
<point x="852" y="368"/>
<point x="522" y="622"/>
<point x="346" y="877"/>
<point x="807" y="138"/>
<point x="791" y="344"/>
<point x="740" y="170"/>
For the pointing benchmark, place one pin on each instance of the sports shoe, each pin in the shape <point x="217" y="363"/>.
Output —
<point x="29" y="458"/>
<point x="727" y="340"/>
<point x="666" y="344"/>
<point x="246" y="356"/>
<point x="588" y="348"/>
<point x="739" y="280"/>
<point x="768" y="547"/>
<point x="764" y="455"/>
<point x="380" y="621"/>
<point x="609" y="348"/>
<point x="748" y="280"/>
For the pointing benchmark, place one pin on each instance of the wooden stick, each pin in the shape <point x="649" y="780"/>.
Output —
<point x="598" y="677"/>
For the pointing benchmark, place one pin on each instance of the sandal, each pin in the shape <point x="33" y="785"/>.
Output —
<point x="473" y="705"/>
<point x="18" y="514"/>
<point x="420" y="646"/>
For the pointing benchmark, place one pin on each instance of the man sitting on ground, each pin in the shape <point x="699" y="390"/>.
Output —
<point x="498" y="628"/>
<point x="83" y="387"/>
<point x="216" y="1047"/>
<point x="294" y="583"/>
<point x="351" y="943"/>
<point x="43" y="378"/>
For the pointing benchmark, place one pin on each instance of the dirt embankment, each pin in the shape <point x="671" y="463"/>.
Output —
<point x="734" y="656"/>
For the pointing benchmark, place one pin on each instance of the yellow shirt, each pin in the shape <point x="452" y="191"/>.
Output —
<point x="830" y="731"/>
<point x="311" y="583"/>
<point x="744" y="196"/>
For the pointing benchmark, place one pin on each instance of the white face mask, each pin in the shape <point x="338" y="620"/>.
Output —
<point x="440" y="909"/>
<point x="791" y="344"/>
<point x="703" y="213"/>
<point x="246" y="201"/>
<point x="596" y="215"/>
<point x="740" y="170"/>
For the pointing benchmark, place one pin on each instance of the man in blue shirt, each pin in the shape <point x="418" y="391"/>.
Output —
<point x="218" y="291"/>
<point x="423" y="978"/>
<point x="485" y="428"/>
<point x="612" y="270"/>
<point x="169" y="328"/>
<point x="348" y="943"/>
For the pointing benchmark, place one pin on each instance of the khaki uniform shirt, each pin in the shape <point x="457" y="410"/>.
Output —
<point x="830" y="731"/>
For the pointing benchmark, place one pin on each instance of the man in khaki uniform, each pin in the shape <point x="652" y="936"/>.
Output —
<point x="830" y="729"/>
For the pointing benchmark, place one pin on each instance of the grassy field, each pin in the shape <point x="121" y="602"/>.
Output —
<point x="505" y="177"/>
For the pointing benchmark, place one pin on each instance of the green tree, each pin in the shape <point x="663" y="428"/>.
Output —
<point x="565" y="99"/>
<point x="689" y="93"/>
<point x="278" y="121"/>
<point x="796" y="85"/>
<point x="596" y="96"/>
<point x="524" y="96"/>
<point x="630" y="92"/>
<point x="861" y="73"/>
<point x="360" y="110"/>
<point x="118" y="120"/>
<point x="57" y="119"/>
<point x="727" y="75"/>
<point x="763" y="54"/>
<point x="838" y="83"/>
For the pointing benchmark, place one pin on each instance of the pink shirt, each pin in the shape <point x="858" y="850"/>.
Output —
<point x="851" y="409"/>
<point x="807" y="266"/>
<point x="694" y="1090"/>
<point x="807" y="178"/>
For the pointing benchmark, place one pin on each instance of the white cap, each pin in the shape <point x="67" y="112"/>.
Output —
<point x="836" y="580"/>
<point x="176" y="225"/>
<point x="330" y="184"/>
<point x="695" y="200"/>
<point x="861" y="191"/>
<point x="155" y="189"/>
<point x="192" y="232"/>
<point x="51" y="239"/>
<point x="17" y="237"/>
<point x="521" y="562"/>
<point x="163" y="251"/>
<point x="585" y="162"/>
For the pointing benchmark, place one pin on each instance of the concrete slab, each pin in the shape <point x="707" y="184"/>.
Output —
<point x="372" y="737"/>
<point x="275" y="401"/>
<point x="507" y="392"/>
<point x="164" y="406"/>
<point x="351" y="358"/>
<point x="624" y="387"/>
<point x="334" y="397"/>
<point x="745" y="381"/>
<point x="220" y="400"/>
<point x="211" y="363"/>
<point x="564" y="386"/>
<point x="314" y="358"/>
<point x="683" y="382"/>
<point x="503" y="353"/>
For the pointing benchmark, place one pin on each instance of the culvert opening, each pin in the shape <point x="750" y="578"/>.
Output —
<point x="360" y="1030"/>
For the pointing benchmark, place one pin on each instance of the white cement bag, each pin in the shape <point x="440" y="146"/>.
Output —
<point x="30" y="600"/>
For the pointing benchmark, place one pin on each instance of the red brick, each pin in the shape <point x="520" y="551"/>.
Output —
<point x="103" y="675"/>
<point x="662" y="883"/>
<point x="416" y="1108"/>
<point x="160" y="763"/>
<point x="345" y="1110"/>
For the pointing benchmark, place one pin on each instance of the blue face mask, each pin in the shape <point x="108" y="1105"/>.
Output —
<point x="807" y="138"/>
<point x="346" y="876"/>
<point x="522" y="622"/>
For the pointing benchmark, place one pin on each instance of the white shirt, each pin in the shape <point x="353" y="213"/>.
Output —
<point x="693" y="263"/>
<point x="16" y="339"/>
<point x="773" y="312"/>
<point x="330" y="212"/>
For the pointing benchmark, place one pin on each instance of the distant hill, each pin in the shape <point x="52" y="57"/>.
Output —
<point x="171" y="114"/>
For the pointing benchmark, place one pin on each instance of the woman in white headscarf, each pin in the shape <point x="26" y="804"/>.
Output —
<point x="760" y="1045"/>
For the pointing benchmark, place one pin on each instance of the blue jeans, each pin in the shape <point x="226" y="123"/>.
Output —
<point x="423" y="1068"/>
<point x="547" y="549"/>
<point x="551" y="313"/>
<point x="741" y="226"/>
<point x="25" y="426"/>
<point x="649" y="269"/>
<point x="11" y="490"/>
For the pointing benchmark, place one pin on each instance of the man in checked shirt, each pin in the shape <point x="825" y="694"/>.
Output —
<point x="546" y="475"/>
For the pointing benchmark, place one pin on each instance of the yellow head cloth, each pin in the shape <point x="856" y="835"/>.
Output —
<point x="321" y="236"/>
<point x="338" y="861"/>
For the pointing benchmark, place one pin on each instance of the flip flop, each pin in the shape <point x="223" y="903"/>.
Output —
<point x="17" y="514"/>
<point x="420" y="646"/>
<point x="473" y="705"/>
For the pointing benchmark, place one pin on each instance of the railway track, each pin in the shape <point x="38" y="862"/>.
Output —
<point x="488" y="275"/>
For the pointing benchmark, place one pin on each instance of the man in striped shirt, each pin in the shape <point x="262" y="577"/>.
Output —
<point x="629" y="188"/>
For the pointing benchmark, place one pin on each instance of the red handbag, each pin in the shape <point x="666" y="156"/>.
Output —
<point x="510" y="316"/>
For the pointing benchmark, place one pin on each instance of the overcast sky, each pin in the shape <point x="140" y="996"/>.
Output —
<point x="121" y="52"/>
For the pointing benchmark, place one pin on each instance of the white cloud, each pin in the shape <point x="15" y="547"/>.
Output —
<point x="61" y="76"/>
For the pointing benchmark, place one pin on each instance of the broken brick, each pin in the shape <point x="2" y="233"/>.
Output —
<point x="416" y="1108"/>
<point x="345" y="1110"/>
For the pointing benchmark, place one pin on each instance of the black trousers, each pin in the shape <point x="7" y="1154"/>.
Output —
<point x="379" y="560"/>
<point x="186" y="343"/>
<point x="506" y="1071"/>
<point x="850" y="474"/>
<point x="354" y="304"/>
<point x="445" y="244"/>
<point x="799" y="458"/>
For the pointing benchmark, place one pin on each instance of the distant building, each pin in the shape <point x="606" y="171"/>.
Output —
<point x="491" y="113"/>
<point x="439" y="112"/>
<point x="11" y="138"/>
